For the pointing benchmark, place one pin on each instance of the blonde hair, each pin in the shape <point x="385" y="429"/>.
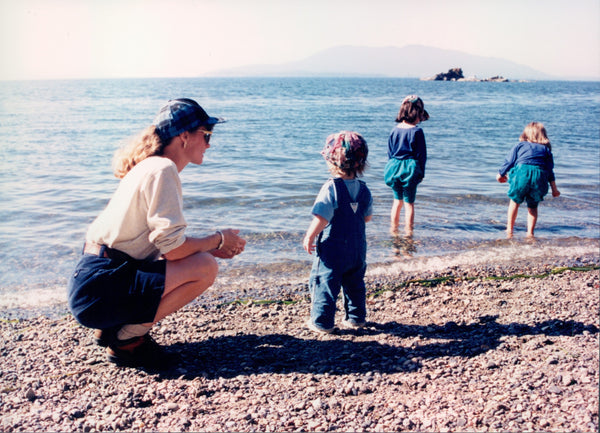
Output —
<point x="535" y="132"/>
<point x="146" y="143"/>
<point x="336" y="171"/>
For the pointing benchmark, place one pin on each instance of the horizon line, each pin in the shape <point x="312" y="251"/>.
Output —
<point x="292" y="75"/>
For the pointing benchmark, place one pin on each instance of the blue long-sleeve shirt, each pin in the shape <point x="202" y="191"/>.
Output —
<point x="408" y="143"/>
<point x="532" y="154"/>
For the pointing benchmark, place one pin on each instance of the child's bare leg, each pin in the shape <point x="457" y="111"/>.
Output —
<point x="409" y="219"/>
<point x="395" y="217"/>
<point x="532" y="214"/>
<point x="513" y="208"/>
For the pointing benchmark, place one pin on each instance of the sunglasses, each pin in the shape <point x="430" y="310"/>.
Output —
<point x="207" y="135"/>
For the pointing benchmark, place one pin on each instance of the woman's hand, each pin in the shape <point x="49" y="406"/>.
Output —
<point x="500" y="178"/>
<point x="232" y="245"/>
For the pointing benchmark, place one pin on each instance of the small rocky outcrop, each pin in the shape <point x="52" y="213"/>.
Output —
<point x="456" y="74"/>
<point x="453" y="74"/>
<point x="496" y="79"/>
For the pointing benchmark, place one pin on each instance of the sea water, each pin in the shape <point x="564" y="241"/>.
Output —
<point x="263" y="168"/>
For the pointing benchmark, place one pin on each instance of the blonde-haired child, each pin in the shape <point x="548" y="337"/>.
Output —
<point x="530" y="168"/>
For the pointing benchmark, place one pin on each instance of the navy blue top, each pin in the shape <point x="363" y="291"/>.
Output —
<point x="531" y="154"/>
<point x="408" y="143"/>
<point x="343" y="242"/>
<point x="327" y="201"/>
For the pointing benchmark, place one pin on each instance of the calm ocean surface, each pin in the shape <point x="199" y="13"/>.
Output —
<point x="263" y="169"/>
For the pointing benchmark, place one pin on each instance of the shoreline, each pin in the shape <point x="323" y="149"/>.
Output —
<point x="273" y="281"/>
<point x="485" y="347"/>
<point x="269" y="280"/>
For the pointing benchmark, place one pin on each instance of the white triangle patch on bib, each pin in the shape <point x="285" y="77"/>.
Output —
<point x="354" y="206"/>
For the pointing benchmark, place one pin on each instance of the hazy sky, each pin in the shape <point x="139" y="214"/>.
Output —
<point x="182" y="38"/>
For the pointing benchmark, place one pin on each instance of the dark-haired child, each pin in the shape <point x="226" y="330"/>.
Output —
<point x="405" y="168"/>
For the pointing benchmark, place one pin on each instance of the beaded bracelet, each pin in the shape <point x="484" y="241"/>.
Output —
<point x="222" y="239"/>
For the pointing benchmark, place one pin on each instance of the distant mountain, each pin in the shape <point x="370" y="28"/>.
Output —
<point x="414" y="61"/>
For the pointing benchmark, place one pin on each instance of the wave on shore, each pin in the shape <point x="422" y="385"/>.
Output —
<point x="274" y="281"/>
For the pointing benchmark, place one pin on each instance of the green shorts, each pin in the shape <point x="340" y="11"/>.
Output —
<point x="527" y="183"/>
<point x="403" y="176"/>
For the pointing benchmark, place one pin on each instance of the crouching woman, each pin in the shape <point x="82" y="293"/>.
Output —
<point x="138" y="264"/>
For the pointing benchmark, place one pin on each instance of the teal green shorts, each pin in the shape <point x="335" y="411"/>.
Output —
<point x="403" y="176"/>
<point x="529" y="183"/>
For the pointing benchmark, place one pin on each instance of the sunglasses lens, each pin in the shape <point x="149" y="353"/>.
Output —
<point x="207" y="138"/>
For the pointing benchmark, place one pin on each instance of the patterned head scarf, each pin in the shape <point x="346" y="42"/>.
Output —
<point x="347" y="150"/>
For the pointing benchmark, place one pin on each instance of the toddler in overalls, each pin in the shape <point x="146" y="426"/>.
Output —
<point x="337" y="234"/>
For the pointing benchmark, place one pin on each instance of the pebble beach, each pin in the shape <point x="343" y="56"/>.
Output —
<point x="487" y="347"/>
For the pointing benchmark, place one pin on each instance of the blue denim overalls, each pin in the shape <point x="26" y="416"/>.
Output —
<point x="341" y="260"/>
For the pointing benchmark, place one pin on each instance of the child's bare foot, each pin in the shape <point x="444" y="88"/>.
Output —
<point x="409" y="246"/>
<point x="509" y="235"/>
<point x="404" y="246"/>
<point x="396" y="243"/>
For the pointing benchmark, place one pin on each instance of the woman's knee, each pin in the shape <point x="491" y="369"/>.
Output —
<point x="197" y="268"/>
<point x="207" y="267"/>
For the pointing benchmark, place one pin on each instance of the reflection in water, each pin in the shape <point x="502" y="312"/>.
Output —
<point x="404" y="246"/>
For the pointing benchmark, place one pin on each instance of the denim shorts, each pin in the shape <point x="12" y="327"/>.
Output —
<point x="403" y="176"/>
<point x="105" y="292"/>
<point x="527" y="183"/>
